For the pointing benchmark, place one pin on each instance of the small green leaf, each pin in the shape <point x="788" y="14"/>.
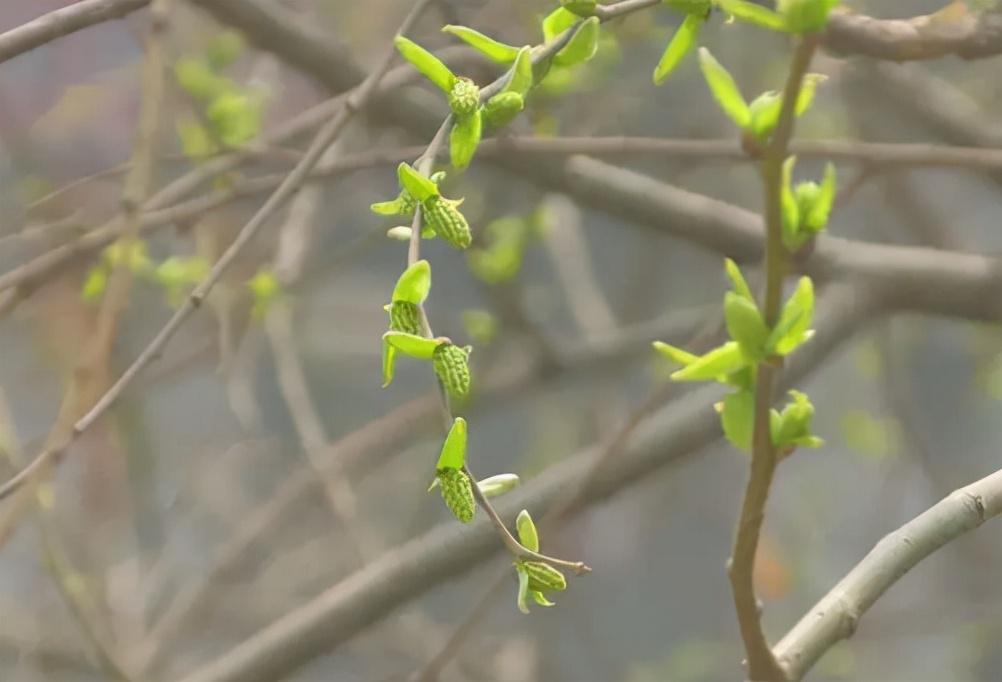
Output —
<point x="724" y="89"/>
<point x="224" y="49"/>
<point x="521" y="78"/>
<point x="751" y="13"/>
<point x="464" y="138"/>
<point x="764" y="114"/>
<point x="414" y="284"/>
<point x="453" y="454"/>
<point x="527" y="534"/>
<point x="794" y="421"/>
<point x="805" y="16"/>
<point x="556" y="22"/>
<point x="389" y="362"/>
<point x="501" y="109"/>
<point x="807" y="89"/>
<point x="678" y="47"/>
<point x="487" y="46"/>
<point x="676" y="355"/>
<point x="540" y="598"/>
<point x="715" y="365"/>
<point x="196" y="77"/>
<point x="816" y="216"/>
<point x="737" y="416"/>
<point x="94" y="284"/>
<point x="412" y="344"/>
<point x="745" y="325"/>
<point x="582" y="8"/>
<point x="582" y="46"/>
<point x="741" y="287"/>
<point x="790" y="208"/>
<point x="498" y="485"/>
<point x="430" y="66"/>
<point x="394" y="207"/>
<point x="523" y="588"/>
<point x="420" y="187"/>
<point x="794" y="321"/>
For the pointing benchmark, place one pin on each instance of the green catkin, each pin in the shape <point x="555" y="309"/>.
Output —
<point x="453" y="368"/>
<point x="464" y="98"/>
<point x="543" y="577"/>
<point x="457" y="492"/>
<point x="443" y="216"/>
<point x="405" y="317"/>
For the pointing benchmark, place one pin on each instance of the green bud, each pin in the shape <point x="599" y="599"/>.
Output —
<point x="464" y="98"/>
<point x="543" y="577"/>
<point x="498" y="485"/>
<point x="452" y="366"/>
<point x="501" y="109"/>
<point x="457" y="492"/>
<point x="443" y="216"/>
<point x="405" y="317"/>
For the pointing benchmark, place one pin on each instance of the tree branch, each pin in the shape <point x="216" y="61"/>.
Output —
<point x="836" y="616"/>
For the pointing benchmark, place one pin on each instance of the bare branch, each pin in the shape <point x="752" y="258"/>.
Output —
<point x="837" y="615"/>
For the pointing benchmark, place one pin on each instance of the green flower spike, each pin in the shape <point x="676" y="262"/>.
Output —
<point x="452" y="366"/>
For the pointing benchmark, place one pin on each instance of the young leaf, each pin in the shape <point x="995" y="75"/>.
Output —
<point x="745" y="325"/>
<point x="816" y="216"/>
<point x="724" y="89"/>
<point x="582" y="8"/>
<point x="764" y="114"/>
<point x="523" y="588"/>
<point x="794" y="420"/>
<point x="420" y="187"/>
<point x="387" y="207"/>
<point x="741" y="287"/>
<point x="794" y="320"/>
<point x="676" y="355"/>
<point x="678" y="47"/>
<point x="412" y="344"/>
<point x="556" y="22"/>
<point x="414" y="284"/>
<point x="737" y="417"/>
<point x="487" y="46"/>
<point x="453" y="454"/>
<point x="521" y="73"/>
<point x="389" y="362"/>
<point x="430" y="66"/>
<point x="717" y="363"/>
<point x="790" y="208"/>
<point x="751" y="13"/>
<point x="540" y="598"/>
<point x="502" y="108"/>
<point x="805" y="16"/>
<point x="527" y="534"/>
<point x="464" y="138"/>
<point x="582" y="45"/>
<point x="807" y="90"/>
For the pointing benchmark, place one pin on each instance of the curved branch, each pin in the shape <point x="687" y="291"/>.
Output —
<point x="61" y="22"/>
<point x="836" y="616"/>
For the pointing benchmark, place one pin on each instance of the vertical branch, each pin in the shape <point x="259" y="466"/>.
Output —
<point x="761" y="663"/>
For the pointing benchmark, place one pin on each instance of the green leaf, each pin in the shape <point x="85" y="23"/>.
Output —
<point x="540" y="598"/>
<point x="556" y="22"/>
<point x="413" y="345"/>
<point x="805" y="16"/>
<point x="196" y="77"/>
<point x="816" y="215"/>
<point x="745" y="325"/>
<point x="582" y="8"/>
<point x="716" y="364"/>
<point x="700" y="7"/>
<point x="807" y="89"/>
<point x="790" y="208"/>
<point x="453" y="454"/>
<point x="523" y="588"/>
<point x="394" y="207"/>
<point x="94" y="284"/>
<point x="389" y="362"/>
<point x="414" y="284"/>
<point x="724" y="89"/>
<point x="420" y="187"/>
<point x="498" y="485"/>
<point x="582" y="46"/>
<point x="794" y="421"/>
<point x="527" y="534"/>
<point x="751" y="13"/>
<point x="676" y="355"/>
<point x="430" y="66"/>
<point x="764" y="114"/>
<point x="741" y="287"/>
<point x="502" y="108"/>
<point x="464" y="138"/>
<point x="678" y="47"/>
<point x="737" y="416"/>
<point x="521" y="78"/>
<point x="794" y="321"/>
<point x="487" y="46"/>
<point x="224" y="49"/>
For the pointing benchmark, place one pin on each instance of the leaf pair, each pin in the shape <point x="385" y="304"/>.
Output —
<point x="410" y="292"/>
<point x="535" y="578"/>
<point x="758" y="119"/>
<point x="806" y="206"/>
<point x="788" y="429"/>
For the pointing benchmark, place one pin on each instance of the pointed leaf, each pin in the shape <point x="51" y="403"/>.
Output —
<point x="724" y="89"/>
<point x="556" y="22"/>
<point x="807" y="89"/>
<point x="741" y="287"/>
<point x="420" y="187"/>
<point x="502" y="108"/>
<point x="816" y="218"/>
<point x="764" y="114"/>
<point x="676" y="355"/>
<point x="716" y="364"/>
<point x="394" y="207"/>
<point x="523" y="589"/>
<point x="582" y="46"/>
<point x="521" y="73"/>
<point x="582" y="8"/>
<point x="453" y="454"/>
<point x="527" y="534"/>
<point x="678" y="47"/>
<point x="465" y="138"/>
<point x="389" y="362"/>
<point x="414" y="284"/>
<point x="738" y="419"/>
<point x="745" y="325"/>
<point x="751" y="13"/>
<point x="540" y="598"/>
<point x="794" y="320"/>
<point x="410" y="344"/>
<point x="790" y="208"/>
<point x="430" y="66"/>
<point x="487" y="46"/>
